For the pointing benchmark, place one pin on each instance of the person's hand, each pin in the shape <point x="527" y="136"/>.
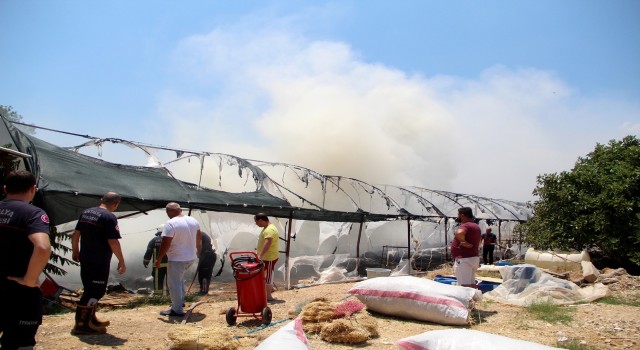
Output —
<point x="157" y="264"/>
<point x="76" y="256"/>
<point x="20" y="280"/>
<point x="122" y="268"/>
<point x="146" y="264"/>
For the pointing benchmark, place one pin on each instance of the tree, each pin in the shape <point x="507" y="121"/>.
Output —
<point x="9" y="113"/>
<point x="595" y="206"/>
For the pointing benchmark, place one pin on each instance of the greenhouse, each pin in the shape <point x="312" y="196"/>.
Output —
<point x="331" y="227"/>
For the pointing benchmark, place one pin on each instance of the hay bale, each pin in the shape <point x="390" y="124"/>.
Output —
<point x="207" y="338"/>
<point x="317" y="311"/>
<point x="368" y="323"/>
<point x="315" y="314"/>
<point x="343" y="331"/>
<point x="312" y="327"/>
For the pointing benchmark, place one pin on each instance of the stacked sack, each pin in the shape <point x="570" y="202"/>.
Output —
<point x="417" y="298"/>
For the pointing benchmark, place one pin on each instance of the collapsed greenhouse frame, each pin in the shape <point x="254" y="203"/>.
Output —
<point x="67" y="186"/>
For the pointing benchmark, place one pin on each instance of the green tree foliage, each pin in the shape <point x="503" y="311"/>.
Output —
<point x="596" y="205"/>
<point x="9" y="113"/>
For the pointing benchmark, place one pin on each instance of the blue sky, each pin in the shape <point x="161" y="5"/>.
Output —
<point x="467" y="96"/>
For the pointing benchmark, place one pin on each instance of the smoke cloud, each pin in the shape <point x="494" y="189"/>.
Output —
<point x="276" y="95"/>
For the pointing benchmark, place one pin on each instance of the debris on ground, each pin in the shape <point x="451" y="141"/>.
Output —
<point x="210" y="338"/>
<point x="343" y="322"/>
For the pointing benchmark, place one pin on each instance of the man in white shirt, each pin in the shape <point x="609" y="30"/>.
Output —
<point x="181" y="242"/>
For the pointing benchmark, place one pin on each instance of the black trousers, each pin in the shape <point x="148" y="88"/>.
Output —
<point x="488" y="250"/>
<point x="94" y="281"/>
<point x="21" y="315"/>
<point x="159" y="275"/>
<point x="205" y="267"/>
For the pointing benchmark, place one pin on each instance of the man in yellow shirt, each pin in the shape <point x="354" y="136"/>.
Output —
<point x="267" y="249"/>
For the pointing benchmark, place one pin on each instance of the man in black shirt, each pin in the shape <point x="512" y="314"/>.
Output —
<point x="94" y="241"/>
<point x="150" y="255"/>
<point x="488" y="245"/>
<point x="24" y="253"/>
<point x="206" y="262"/>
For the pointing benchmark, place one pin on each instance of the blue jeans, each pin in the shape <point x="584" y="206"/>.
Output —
<point x="175" y="280"/>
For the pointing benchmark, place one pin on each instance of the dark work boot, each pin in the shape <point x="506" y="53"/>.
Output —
<point x="95" y="321"/>
<point x="83" y="322"/>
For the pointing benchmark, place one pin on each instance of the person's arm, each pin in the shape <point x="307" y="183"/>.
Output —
<point x="38" y="261"/>
<point x="461" y="237"/>
<point x="75" y="245"/>
<point x="148" y="253"/>
<point x="265" y="247"/>
<point x="117" y="251"/>
<point x="164" y="247"/>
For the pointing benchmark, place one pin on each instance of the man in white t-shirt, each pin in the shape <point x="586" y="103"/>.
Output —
<point x="181" y="242"/>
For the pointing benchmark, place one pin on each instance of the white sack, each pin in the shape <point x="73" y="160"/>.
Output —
<point x="417" y="298"/>
<point x="465" y="339"/>
<point x="289" y="337"/>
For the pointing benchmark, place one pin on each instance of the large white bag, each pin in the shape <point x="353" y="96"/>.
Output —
<point x="465" y="339"/>
<point x="289" y="337"/>
<point x="417" y="298"/>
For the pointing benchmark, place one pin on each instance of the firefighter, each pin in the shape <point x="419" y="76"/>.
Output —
<point x="150" y="255"/>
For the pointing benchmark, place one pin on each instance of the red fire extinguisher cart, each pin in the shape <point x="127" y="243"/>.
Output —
<point x="248" y="270"/>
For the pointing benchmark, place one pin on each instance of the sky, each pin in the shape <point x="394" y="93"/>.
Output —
<point x="475" y="97"/>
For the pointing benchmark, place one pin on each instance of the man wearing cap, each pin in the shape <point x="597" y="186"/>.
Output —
<point x="465" y="247"/>
<point x="158" y="273"/>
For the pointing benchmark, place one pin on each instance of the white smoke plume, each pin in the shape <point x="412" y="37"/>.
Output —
<point x="276" y="95"/>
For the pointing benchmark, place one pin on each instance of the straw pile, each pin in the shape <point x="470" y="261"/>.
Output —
<point x="207" y="338"/>
<point x="344" y="322"/>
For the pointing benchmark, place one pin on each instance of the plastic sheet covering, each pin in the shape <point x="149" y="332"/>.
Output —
<point x="526" y="284"/>
<point x="334" y="221"/>
<point x="454" y="339"/>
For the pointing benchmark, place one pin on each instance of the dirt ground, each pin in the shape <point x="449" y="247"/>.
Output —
<point x="597" y="325"/>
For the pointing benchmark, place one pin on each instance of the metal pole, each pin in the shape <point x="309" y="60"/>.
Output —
<point x="287" y="278"/>
<point x="446" y="244"/>
<point x="358" y="245"/>
<point x="409" y="243"/>
<point x="500" y="239"/>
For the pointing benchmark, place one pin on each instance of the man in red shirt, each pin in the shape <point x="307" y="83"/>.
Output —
<point x="464" y="248"/>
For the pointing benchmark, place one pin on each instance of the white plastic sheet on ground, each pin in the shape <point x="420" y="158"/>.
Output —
<point x="526" y="284"/>
<point x="465" y="339"/>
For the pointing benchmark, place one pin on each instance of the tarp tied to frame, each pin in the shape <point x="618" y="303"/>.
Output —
<point x="70" y="182"/>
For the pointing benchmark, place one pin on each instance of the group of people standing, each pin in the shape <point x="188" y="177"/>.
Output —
<point x="25" y="252"/>
<point x="206" y="262"/>
<point x="26" y="249"/>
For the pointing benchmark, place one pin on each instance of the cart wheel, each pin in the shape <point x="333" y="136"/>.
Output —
<point x="266" y="315"/>
<point x="231" y="316"/>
